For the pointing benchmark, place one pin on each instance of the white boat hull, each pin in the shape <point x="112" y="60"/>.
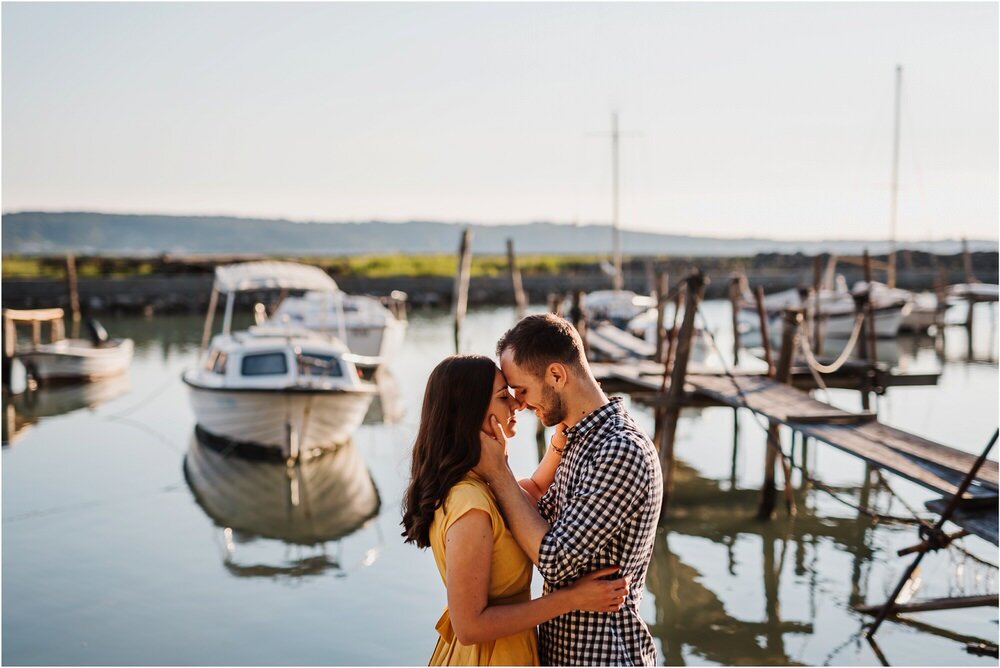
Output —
<point x="291" y="421"/>
<point x="836" y="326"/>
<point x="76" y="360"/>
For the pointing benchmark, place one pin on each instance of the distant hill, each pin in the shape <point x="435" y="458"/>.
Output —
<point x="32" y="232"/>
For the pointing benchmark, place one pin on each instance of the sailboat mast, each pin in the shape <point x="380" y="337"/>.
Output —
<point x="891" y="273"/>
<point x="615" y="230"/>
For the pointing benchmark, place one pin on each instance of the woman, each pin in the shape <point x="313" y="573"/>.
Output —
<point x="490" y="618"/>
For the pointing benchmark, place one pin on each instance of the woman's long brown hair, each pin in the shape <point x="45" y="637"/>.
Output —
<point x="456" y="399"/>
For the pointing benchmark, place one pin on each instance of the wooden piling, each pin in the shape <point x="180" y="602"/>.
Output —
<point x="735" y="297"/>
<point x="870" y="311"/>
<point x="9" y="346"/>
<point x="668" y="363"/>
<point x="967" y="261"/>
<point x="662" y="288"/>
<point x="817" y="333"/>
<point x="74" y="296"/>
<point x="765" y="334"/>
<point x="460" y="299"/>
<point x="578" y="317"/>
<point x="695" y="288"/>
<point x="520" y="301"/>
<point x="791" y="319"/>
<point x="969" y="323"/>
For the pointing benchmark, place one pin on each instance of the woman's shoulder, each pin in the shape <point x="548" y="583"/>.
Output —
<point x="471" y="490"/>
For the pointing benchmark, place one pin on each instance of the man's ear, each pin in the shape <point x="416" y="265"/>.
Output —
<point x="557" y="374"/>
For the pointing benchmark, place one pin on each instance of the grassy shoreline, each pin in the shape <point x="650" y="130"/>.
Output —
<point x="445" y="264"/>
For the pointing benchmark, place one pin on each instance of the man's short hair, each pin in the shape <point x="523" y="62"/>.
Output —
<point x="539" y="340"/>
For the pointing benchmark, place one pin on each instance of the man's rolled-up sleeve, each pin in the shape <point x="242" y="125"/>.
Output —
<point x="608" y="493"/>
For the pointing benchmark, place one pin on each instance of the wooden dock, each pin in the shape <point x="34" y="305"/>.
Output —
<point x="933" y="465"/>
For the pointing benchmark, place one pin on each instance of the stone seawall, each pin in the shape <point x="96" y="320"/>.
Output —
<point x="190" y="293"/>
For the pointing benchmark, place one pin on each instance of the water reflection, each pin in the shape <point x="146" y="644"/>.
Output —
<point x="304" y="507"/>
<point x="27" y="408"/>
<point x="388" y="406"/>
<point x="692" y="618"/>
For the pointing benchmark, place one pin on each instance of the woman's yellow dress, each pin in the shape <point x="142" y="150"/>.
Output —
<point x="510" y="582"/>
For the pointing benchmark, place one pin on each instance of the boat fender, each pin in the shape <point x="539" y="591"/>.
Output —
<point x="96" y="332"/>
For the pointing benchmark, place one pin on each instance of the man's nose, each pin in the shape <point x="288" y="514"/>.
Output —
<point x="519" y="403"/>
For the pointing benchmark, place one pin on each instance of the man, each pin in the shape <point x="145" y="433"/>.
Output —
<point x="601" y="510"/>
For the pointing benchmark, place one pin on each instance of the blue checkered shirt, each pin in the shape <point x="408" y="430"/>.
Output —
<point x="602" y="508"/>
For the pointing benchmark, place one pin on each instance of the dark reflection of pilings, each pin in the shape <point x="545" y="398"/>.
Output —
<point x="308" y="504"/>
<point x="690" y="618"/>
<point x="862" y="553"/>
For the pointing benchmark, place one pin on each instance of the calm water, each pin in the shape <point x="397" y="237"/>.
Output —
<point x="111" y="555"/>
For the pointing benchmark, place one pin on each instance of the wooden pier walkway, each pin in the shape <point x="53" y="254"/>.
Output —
<point x="932" y="465"/>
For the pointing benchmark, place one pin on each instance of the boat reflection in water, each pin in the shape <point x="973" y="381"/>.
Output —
<point x="24" y="409"/>
<point x="306" y="505"/>
<point x="388" y="406"/>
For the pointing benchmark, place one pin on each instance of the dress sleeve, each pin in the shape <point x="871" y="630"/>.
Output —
<point x="466" y="496"/>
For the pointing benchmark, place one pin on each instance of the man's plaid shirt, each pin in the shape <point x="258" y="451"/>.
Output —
<point x="603" y="509"/>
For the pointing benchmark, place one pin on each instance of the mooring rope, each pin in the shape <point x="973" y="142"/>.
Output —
<point x="811" y="360"/>
<point x="785" y="458"/>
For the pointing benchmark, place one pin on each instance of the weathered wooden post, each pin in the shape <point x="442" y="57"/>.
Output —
<point x="668" y="363"/>
<point x="9" y="346"/>
<point x="817" y="333"/>
<point x="578" y="317"/>
<point x="74" y="296"/>
<point x="870" y="312"/>
<point x="695" y="287"/>
<point x="967" y="261"/>
<point x="662" y="288"/>
<point x="735" y="297"/>
<point x="791" y="320"/>
<point x="460" y="299"/>
<point x="515" y="280"/>
<point x="765" y="334"/>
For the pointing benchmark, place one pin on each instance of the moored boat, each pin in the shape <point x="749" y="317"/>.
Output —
<point x="369" y="329"/>
<point x="287" y="390"/>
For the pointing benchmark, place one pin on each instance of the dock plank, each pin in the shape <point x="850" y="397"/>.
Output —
<point x="924" y="462"/>
<point x="982" y="522"/>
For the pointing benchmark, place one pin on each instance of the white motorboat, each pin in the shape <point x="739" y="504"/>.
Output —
<point x="976" y="291"/>
<point x="369" y="329"/>
<point x="65" y="360"/>
<point x="289" y="390"/>
<point x="75" y="360"/>
<point x="837" y="311"/>
<point x="643" y="326"/>
<point x="924" y="311"/>
<point x="616" y="306"/>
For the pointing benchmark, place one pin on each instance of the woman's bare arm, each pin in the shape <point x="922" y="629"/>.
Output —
<point x="542" y="478"/>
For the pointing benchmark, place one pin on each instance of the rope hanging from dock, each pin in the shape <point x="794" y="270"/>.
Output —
<point x="788" y="460"/>
<point x="844" y="356"/>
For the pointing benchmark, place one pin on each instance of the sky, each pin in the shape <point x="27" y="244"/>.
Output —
<point x="738" y="119"/>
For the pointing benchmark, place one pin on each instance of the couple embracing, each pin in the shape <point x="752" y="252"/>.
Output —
<point x="586" y="518"/>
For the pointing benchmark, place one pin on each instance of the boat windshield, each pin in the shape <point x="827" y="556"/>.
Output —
<point x="315" y="364"/>
<point x="264" y="364"/>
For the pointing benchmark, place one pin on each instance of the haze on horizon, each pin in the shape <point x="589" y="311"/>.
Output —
<point x="764" y="120"/>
